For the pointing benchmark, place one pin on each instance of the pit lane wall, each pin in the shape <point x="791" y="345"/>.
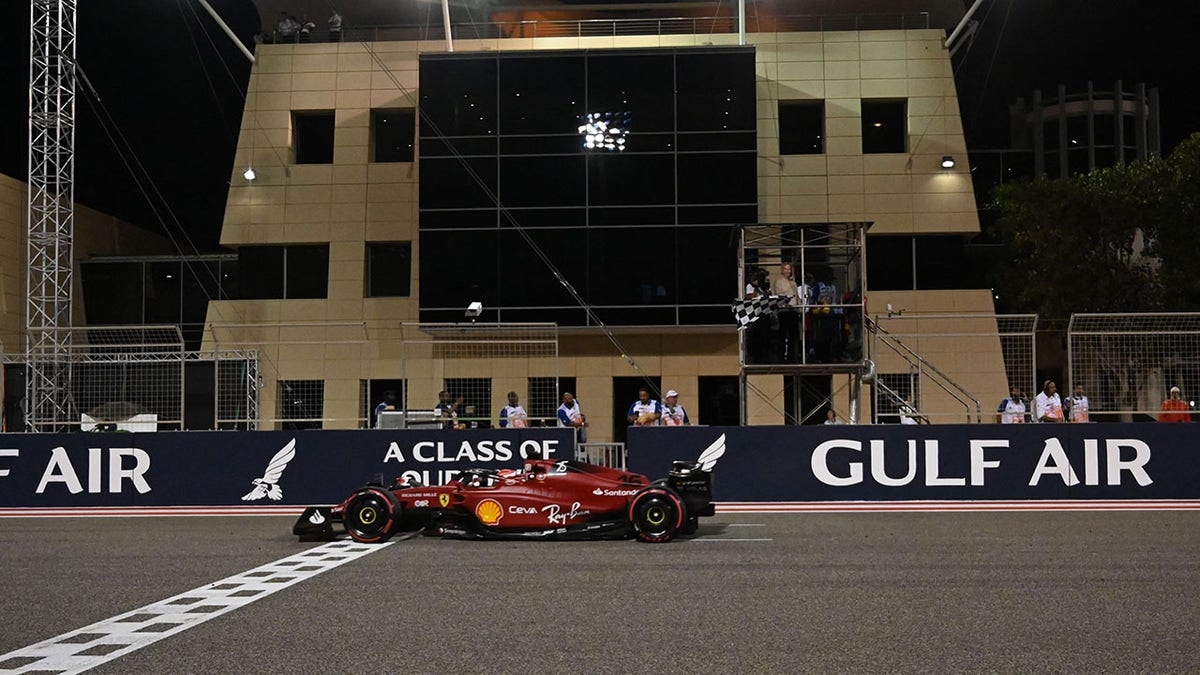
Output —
<point x="939" y="462"/>
<point x="266" y="468"/>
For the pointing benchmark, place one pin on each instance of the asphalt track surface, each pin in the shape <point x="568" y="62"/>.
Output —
<point x="828" y="593"/>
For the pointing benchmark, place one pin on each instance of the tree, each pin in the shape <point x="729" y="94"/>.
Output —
<point x="1122" y="239"/>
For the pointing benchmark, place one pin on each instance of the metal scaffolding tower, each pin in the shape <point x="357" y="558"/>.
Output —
<point x="51" y="201"/>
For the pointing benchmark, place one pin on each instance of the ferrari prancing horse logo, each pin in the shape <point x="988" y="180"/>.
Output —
<point x="444" y="500"/>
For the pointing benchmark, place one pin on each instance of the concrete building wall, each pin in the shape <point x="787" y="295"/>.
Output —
<point x="353" y="201"/>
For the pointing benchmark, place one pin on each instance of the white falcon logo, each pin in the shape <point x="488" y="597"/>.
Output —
<point x="708" y="458"/>
<point x="267" y="485"/>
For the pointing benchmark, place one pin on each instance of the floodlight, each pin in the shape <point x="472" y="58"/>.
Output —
<point x="947" y="162"/>
<point x="249" y="174"/>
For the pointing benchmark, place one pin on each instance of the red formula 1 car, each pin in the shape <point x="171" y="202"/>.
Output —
<point x="547" y="499"/>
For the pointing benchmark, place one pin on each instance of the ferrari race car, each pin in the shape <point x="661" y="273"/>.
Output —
<point x="547" y="499"/>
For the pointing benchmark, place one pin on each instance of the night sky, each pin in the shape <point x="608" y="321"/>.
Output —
<point x="167" y="88"/>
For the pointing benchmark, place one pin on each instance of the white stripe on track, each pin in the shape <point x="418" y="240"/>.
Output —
<point x="90" y="646"/>
<point x="707" y="539"/>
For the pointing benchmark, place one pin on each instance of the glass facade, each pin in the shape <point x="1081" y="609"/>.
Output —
<point x="639" y="224"/>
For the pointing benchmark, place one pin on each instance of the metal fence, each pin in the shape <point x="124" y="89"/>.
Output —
<point x="1127" y="363"/>
<point x="475" y="366"/>
<point x="680" y="25"/>
<point x="134" y="378"/>
<point x="950" y="367"/>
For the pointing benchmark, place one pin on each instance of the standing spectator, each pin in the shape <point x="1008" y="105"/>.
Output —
<point x="306" y="28"/>
<point x="831" y="417"/>
<point x="335" y="27"/>
<point x="1047" y="407"/>
<point x="570" y="415"/>
<point x="789" y="318"/>
<point x="1077" y="405"/>
<point x="513" y="413"/>
<point x="448" y="410"/>
<point x="288" y="28"/>
<point x="1175" y="409"/>
<point x="388" y="403"/>
<point x="644" y="412"/>
<point x="1012" y="409"/>
<point x="673" y="414"/>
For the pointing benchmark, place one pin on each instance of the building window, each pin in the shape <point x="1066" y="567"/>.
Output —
<point x="283" y="272"/>
<point x="476" y="394"/>
<point x="300" y="404"/>
<point x="801" y="127"/>
<point x="373" y="392"/>
<point x="389" y="269"/>
<point x="541" y="400"/>
<point x="393" y="135"/>
<point x="884" y="126"/>
<point x="312" y="136"/>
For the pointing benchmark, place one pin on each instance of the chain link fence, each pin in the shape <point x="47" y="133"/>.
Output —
<point x="1128" y="363"/>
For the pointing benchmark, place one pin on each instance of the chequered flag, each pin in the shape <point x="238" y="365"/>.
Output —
<point x="748" y="310"/>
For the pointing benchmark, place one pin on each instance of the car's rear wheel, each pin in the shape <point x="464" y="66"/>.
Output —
<point x="657" y="514"/>
<point x="372" y="515"/>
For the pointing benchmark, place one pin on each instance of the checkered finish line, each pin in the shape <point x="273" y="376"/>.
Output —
<point x="748" y="310"/>
<point x="101" y="642"/>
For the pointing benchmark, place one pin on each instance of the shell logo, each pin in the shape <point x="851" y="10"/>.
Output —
<point x="489" y="512"/>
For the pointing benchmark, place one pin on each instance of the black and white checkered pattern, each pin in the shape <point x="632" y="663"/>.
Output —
<point x="748" y="310"/>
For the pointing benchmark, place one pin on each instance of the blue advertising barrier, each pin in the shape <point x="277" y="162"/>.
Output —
<point x="220" y="468"/>
<point x="937" y="462"/>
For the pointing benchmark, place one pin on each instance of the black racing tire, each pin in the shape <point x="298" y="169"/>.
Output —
<point x="372" y="515"/>
<point x="657" y="514"/>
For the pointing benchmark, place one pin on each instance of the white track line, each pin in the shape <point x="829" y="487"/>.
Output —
<point x="746" y="525"/>
<point x="93" y="645"/>
<point x="707" y="539"/>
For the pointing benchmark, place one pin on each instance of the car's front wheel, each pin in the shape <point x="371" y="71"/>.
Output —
<point x="657" y="514"/>
<point x="372" y="515"/>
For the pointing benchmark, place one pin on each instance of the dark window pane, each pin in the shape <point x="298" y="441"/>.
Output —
<point x="393" y="133"/>
<point x="542" y="181"/>
<point x="571" y="144"/>
<point x="307" y="271"/>
<point x="638" y="83"/>
<point x="889" y="263"/>
<point x="639" y="215"/>
<point x="884" y="126"/>
<point x="528" y="106"/>
<point x="526" y="281"/>
<point x="447" y="183"/>
<point x="708" y="264"/>
<point x="646" y="275"/>
<point x="546" y="217"/>
<point x="563" y="316"/>
<point x="455" y="147"/>
<point x="631" y="179"/>
<point x="637" y="316"/>
<point x="389" y="269"/>
<point x="933" y="252"/>
<point x="201" y="282"/>
<point x="260" y="269"/>
<point x="312" y="136"/>
<point x="452" y="219"/>
<point x="458" y="268"/>
<point x="715" y="90"/>
<point x="718" y="178"/>
<point x="458" y="96"/>
<point x="718" y="140"/>
<point x="717" y="215"/>
<point x="112" y="292"/>
<point x="717" y="401"/>
<point x="801" y="127"/>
